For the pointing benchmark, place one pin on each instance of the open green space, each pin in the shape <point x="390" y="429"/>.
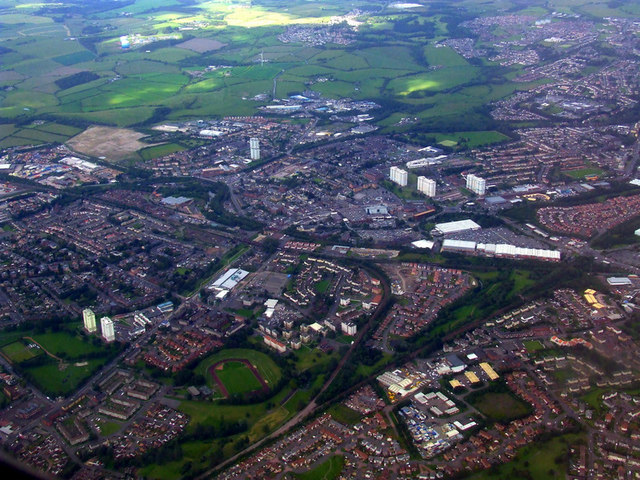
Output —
<point x="109" y="427"/>
<point x="328" y="470"/>
<point x="470" y="139"/>
<point x="92" y="79"/>
<point x="542" y="460"/>
<point x="344" y="414"/>
<point x="237" y="378"/>
<point x="265" y="365"/>
<point x="18" y="352"/>
<point x="159" y="150"/>
<point x="56" y="378"/>
<point x="533" y="346"/>
<point x="322" y="286"/>
<point x="580" y="173"/>
<point x="500" y="406"/>
<point x="67" y="345"/>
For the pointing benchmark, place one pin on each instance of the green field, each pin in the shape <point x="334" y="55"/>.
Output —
<point x="237" y="378"/>
<point x="322" y="286"/>
<point x="500" y="407"/>
<point x="344" y="414"/>
<point x="94" y="80"/>
<point x="267" y="368"/>
<point x="533" y="345"/>
<point x="583" y="172"/>
<point x="62" y="379"/>
<point x="471" y="139"/>
<point x="159" y="150"/>
<point x="109" y="427"/>
<point x="18" y="352"/>
<point x="66" y="345"/>
<point x="539" y="461"/>
<point x="329" y="470"/>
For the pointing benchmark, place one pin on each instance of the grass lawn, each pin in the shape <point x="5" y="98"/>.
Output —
<point x="328" y="470"/>
<point x="500" y="407"/>
<point x="538" y="460"/>
<point x="344" y="414"/>
<point x="66" y="343"/>
<point x="237" y="378"/>
<point x="533" y="345"/>
<point x="582" y="172"/>
<point x="109" y="427"/>
<point x="159" y="150"/>
<point x="267" y="367"/>
<point x="322" y="286"/>
<point x="54" y="381"/>
<point x="19" y="352"/>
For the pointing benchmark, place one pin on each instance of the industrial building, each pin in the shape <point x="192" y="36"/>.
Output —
<point x="426" y="162"/>
<point x="455" y="227"/>
<point x="108" y="333"/>
<point x="476" y="184"/>
<point x="427" y="186"/>
<point x="399" y="176"/>
<point x="89" y="319"/>
<point x="229" y="279"/>
<point x="500" y="250"/>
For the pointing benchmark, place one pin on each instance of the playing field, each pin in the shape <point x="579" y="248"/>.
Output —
<point x="237" y="378"/>
<point x="18" y="352"/>
<point x="266" y="367"/>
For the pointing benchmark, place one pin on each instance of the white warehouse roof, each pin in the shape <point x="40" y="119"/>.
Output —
<point x="459" y="226"/>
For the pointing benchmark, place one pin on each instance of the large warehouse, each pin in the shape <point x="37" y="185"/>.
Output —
<point x="455" y="227"/>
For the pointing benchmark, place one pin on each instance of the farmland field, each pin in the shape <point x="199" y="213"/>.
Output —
<point x="82" y="77"/>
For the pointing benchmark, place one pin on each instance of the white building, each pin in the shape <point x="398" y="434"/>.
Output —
<point x="254" y="148"/>
<point x="399" y="176"/>
<point x="476" y="184"/>
<point x="89" y="319"/>
<point x="349" y="328"/>
<point x="456" y="226"/>
<point x="108" y="333"/>
<point x="427" y="186"/>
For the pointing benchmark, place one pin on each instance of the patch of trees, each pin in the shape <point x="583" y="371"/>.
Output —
<point x="412" y="24"/>
<point x="76" y="79"/>
<point x="623" y="234"/>
<point x="222" y="429"/>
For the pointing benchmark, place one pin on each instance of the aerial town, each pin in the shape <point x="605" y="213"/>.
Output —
<point x="323" y="283"/>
